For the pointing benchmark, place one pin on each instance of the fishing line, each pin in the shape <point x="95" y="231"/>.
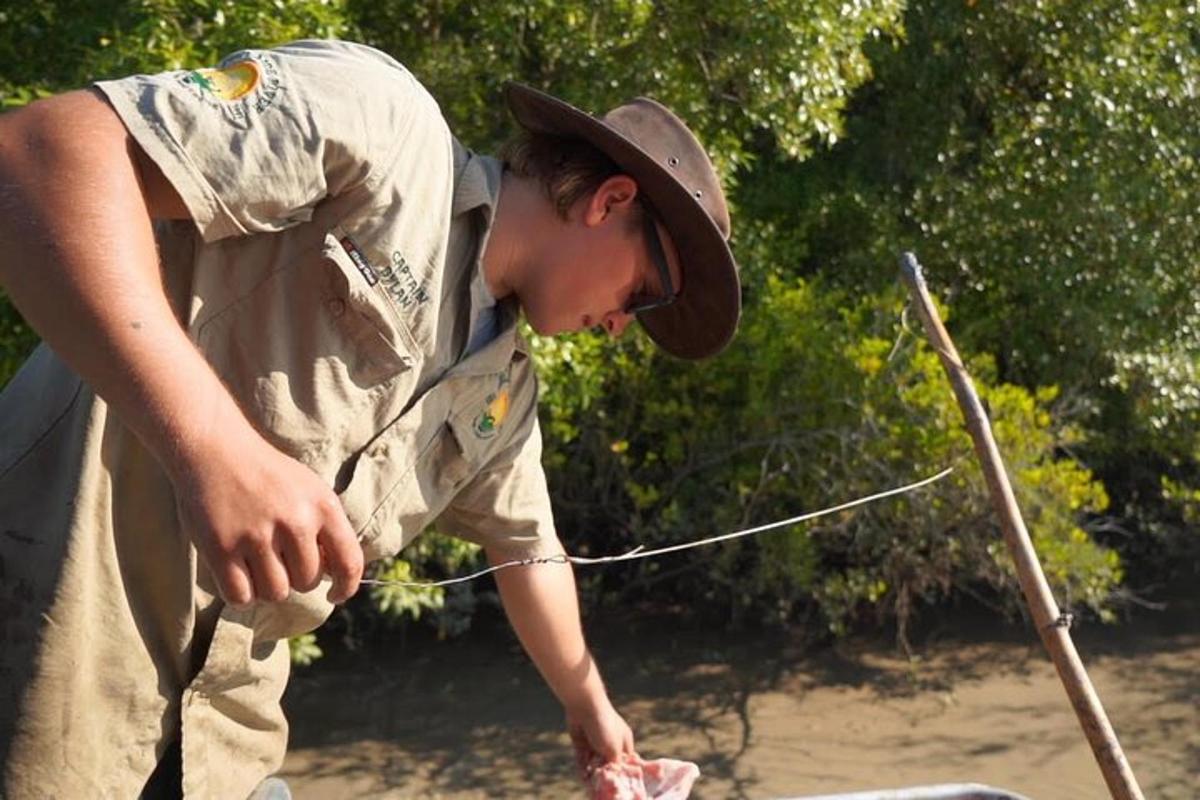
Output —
<point x="641" y="552"/>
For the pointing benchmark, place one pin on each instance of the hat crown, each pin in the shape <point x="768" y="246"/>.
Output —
<point x="665" y="138"/>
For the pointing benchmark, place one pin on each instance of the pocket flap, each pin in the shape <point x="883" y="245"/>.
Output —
<point x="358" y="286"/>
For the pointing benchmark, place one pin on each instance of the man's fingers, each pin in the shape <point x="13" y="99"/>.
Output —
<point x="270" y="577"/>
<point x="267" y="524"/>
<point x="233" y="582"/>
<point x="302" y="558"/>
<point x="611" y="751"/>
<point x="343" y="555"/>
<point x="583" y="751"/>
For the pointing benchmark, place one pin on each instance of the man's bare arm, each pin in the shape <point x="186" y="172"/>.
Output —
<point x="543" y="607"/>
<point x="78" y="259"/>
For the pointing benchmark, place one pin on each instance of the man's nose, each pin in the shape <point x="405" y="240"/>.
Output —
<point x="615" y="323"/>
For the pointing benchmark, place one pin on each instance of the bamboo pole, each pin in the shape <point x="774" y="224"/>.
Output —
<point x="1052" y="626"/>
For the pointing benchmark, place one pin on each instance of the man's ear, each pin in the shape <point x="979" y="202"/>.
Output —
<point x="617" y="193"/>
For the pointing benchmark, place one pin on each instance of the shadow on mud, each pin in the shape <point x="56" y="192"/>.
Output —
<point x="471" y="717"/>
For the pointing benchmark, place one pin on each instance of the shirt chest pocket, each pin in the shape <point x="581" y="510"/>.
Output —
<point x="313" y="356"/>
<point x="408" y="475"/>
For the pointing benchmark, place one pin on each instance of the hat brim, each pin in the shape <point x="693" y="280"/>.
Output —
<point x="704" y="317"/>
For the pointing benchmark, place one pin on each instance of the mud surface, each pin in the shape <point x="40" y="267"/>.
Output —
<point x="763" y="716"/>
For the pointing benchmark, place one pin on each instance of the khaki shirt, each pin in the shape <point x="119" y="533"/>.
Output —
<point x="327" y="277"/>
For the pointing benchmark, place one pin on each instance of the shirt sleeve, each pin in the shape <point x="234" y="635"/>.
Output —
<point x="254" y="143"/>
<point x="506" y="506"/>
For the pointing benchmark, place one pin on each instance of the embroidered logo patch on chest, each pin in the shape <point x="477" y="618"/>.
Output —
<point x="492" y="417"/>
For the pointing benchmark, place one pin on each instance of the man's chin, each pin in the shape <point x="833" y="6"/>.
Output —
<point x="543" y="327"/>
<point x="550" y="327"/>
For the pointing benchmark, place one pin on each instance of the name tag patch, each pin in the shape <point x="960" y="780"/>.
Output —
<point x="401" y="284"/>
<point x="396" y="277"/>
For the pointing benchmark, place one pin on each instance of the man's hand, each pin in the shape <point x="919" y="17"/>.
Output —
<point x="598" y="734"/>
<point x="266" y="524"/>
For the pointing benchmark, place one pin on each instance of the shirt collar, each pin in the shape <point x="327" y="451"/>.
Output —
<point x="478" y="182"/>
<point x="477" y="190"/>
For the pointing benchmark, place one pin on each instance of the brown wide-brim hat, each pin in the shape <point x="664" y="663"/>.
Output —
<point x="656" y="149"/>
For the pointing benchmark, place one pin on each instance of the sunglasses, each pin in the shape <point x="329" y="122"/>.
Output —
<point x="640" y="302"/>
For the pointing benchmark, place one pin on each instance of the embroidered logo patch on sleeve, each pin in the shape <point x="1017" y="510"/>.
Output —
<point x="231" y="82"/>
<point x="247" y="82"/>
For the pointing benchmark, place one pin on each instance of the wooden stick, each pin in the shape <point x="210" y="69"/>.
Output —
<point x="1051" y="625"/>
